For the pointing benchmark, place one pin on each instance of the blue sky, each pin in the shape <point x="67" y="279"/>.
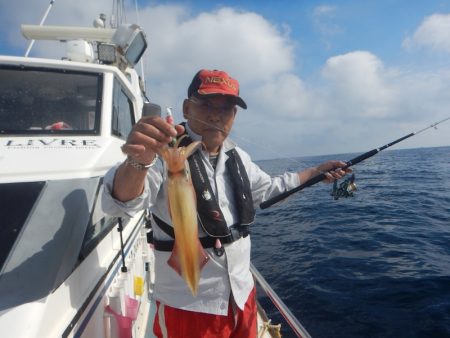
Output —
<point x="319" y="77"/>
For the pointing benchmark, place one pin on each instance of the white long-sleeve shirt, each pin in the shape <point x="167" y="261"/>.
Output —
<point x="223" y="275"/>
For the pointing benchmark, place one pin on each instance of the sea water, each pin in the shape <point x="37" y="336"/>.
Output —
<point x="373" y="265"/>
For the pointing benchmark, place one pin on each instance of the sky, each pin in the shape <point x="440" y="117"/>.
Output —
<point x="319" y="77"/>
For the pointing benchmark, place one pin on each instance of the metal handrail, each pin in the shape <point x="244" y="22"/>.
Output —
<point x="293" y="322"/>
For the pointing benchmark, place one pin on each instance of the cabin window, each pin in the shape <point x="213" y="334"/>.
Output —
<point x="48" y="101"/>
<point x="123" y="113"/>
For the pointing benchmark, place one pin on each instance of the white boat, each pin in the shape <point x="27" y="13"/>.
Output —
<point x="66" y="268"/>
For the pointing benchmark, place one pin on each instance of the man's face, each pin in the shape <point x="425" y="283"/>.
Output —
<point x="211" y="117"/>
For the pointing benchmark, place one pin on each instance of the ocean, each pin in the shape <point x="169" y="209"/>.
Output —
<point x="373" y="265"/>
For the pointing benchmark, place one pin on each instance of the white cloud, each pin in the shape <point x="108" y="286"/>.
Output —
<point x="244" y="44"/>
<point x="358" y="84"/>
<point x="433" y="33"/>
<point x="284" y="96"/>
<point x="323" y="18"/>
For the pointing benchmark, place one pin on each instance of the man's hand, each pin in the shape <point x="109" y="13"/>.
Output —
<point x="331" y="169"/>
<point x="148" y="136"/>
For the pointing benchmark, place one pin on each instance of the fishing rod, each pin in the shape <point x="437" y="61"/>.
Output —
<point x="350" y="163"/>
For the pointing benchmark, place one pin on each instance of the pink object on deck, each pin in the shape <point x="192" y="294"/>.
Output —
<point x="131" y="307"/>
<point x="124" y="323"/>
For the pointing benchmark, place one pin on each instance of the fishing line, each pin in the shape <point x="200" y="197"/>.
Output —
<point x="267" y="149"/>
<point x="235" y="136"/>
<point x="353" y="161"/>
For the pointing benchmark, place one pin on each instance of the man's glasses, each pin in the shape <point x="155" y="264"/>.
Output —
<point x="208" y="107"/>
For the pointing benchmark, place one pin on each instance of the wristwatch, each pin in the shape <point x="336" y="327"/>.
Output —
<point x="140" y="166"/>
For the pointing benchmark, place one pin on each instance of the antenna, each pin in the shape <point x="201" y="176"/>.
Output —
<point x="142" y="59"/>
<point x="118" y="14"/>
<point x="41" y="23"/>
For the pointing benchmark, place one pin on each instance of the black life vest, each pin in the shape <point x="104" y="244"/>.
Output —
<point x="210" y="216"/>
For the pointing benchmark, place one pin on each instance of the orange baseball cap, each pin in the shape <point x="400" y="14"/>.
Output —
<point x="215" y="82"/>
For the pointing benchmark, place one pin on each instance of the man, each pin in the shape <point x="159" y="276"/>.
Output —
<point x="228" y="185"/>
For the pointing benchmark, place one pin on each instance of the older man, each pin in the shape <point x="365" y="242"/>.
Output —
<point x="228" y="186"/>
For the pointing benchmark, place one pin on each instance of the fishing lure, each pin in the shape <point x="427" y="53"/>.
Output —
<point x="169" y="119"/>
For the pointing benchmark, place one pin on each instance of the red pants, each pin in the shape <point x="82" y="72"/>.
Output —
<point x="189" y="324"/>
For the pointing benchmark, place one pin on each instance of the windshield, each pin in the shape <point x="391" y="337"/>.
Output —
<point x="48" y="101"/>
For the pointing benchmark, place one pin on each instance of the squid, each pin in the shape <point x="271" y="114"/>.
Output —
<point x="188" y="256"/>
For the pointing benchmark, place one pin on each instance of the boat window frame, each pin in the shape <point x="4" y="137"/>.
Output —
<point x="120" y="91"/>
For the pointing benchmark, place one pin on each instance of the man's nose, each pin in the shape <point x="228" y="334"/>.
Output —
<point x="214" y="114"/>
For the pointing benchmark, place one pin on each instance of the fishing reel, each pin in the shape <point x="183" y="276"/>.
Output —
<point x="345" y="189"/>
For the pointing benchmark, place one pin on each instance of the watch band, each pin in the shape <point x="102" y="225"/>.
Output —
<point x="140" y="166"/>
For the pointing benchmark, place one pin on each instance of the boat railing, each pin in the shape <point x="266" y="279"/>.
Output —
<point x="292" y="321"/>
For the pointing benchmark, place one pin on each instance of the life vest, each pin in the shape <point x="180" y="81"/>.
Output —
<point x="210" y="217"/>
